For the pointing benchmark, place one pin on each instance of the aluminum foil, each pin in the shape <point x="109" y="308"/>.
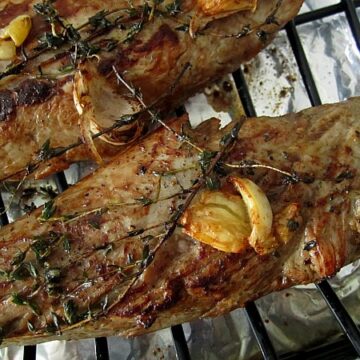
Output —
<point x="296" y="318"/>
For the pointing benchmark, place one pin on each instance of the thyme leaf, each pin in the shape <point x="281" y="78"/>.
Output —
<point x="133" y="31"/>
<point x="53" y="275"/>
<point x="94" y="224"/>
<point x="17" y="299"/>
<point x="135" y="232"/>
<point x="66" y="243"/>
<point x="18" y="258"/>
<point x="231" y="136"/>
<point x="174" y="8"/>
<point x="205" y="158"/>
<point x="30" y="326"/>
<point x="292" y="225"/>
<point x="48" y="211"/>
<point x="145" y="201"/>
<point x="310" y="245"/>
<point x="4" y="274"/>
<point x="24" y="271"/>
<point x="212" y="183"/>
<point x="70" y="312"/>
<point x="146" y="252"/>
<point x="104" y="303"/>
<point x="184" y="27"/>
<point x="45" y="151"/>
<point x="41" y="248"/>
<point x="50" y="41"/>
<point x="47" y="10"/>
<point x="99" y="20"/>
<point x="56" y="321"/>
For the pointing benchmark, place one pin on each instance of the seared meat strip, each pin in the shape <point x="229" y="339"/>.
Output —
<point x="97" y="260"/>
<point x="159" y="52"/>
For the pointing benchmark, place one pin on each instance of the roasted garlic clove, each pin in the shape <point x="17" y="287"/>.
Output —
<point x="7" y="50"/>
<point x="220" y="220"/>
<point x="260" y="213"/>
<point x="209" y="10"/>
<point x="19" y="29"/>
<point x="215" y="7"/>
<point x="232" y="223"/>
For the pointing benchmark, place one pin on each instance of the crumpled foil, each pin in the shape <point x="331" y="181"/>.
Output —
<point x="296" y="318"/>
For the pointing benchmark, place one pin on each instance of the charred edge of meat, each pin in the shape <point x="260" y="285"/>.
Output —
<point x="29" y="92"/>
<point x="7" y="104"/>
<point x="32" y="92"/>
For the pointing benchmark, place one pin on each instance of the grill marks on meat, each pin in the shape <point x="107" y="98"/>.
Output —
<point x="187" y="279"/>
<point x="28" y="92"/>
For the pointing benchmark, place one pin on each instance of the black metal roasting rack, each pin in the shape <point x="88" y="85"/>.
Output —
<point x="348" y="347"/>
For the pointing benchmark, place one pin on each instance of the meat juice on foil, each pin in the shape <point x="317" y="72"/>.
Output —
<point x="276" y="88"/>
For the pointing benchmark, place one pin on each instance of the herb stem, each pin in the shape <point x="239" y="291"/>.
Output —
<point x="257" y="165"/>
<point x="154" y="117"/>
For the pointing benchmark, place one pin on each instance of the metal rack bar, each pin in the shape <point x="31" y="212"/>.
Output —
<point x="342" y="316"/>
<point x="181" y="348"/>
<point x="260" y="332"/>
<point x="319" y="14"/>
<point x="244" y="93"/>
<point x="252" y="313"/>
<point x="337" y="350"/>
<point x="29" y="352"/>
<point x="325" y="12"/>
<point x="3" y="217"/>
<point x="303" y="64"/>
<point x="353" y="20"/>
<point x="101" y="349"/>
<point x="60" y="181"/>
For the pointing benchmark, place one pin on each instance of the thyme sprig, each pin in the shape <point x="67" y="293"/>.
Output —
<point x="49" y="210"/>
<point x="250" y="164"/>
<point x="155" y="117"/>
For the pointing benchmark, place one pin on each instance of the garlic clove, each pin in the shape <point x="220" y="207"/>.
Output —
<point x="19" y="29"/>
<point x="220" y="220"/>
<point x="260" y="214"/>
<point x="7" y="50"/>
<point x="215" y="7"/>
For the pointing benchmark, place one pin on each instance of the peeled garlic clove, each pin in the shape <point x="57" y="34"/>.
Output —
<point x="80" y="91"/>
<point x="19" y="29"/>
<point x="7" y="50"/>
<point x="220" y="220"/>
<point x="260" y="214"/>
<point x="4" y="34"/>
<point x="215" y="7"/>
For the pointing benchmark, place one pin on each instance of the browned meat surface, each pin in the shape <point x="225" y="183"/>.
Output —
<point x="97" y="261"/>
<point x="151" y="51"/>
